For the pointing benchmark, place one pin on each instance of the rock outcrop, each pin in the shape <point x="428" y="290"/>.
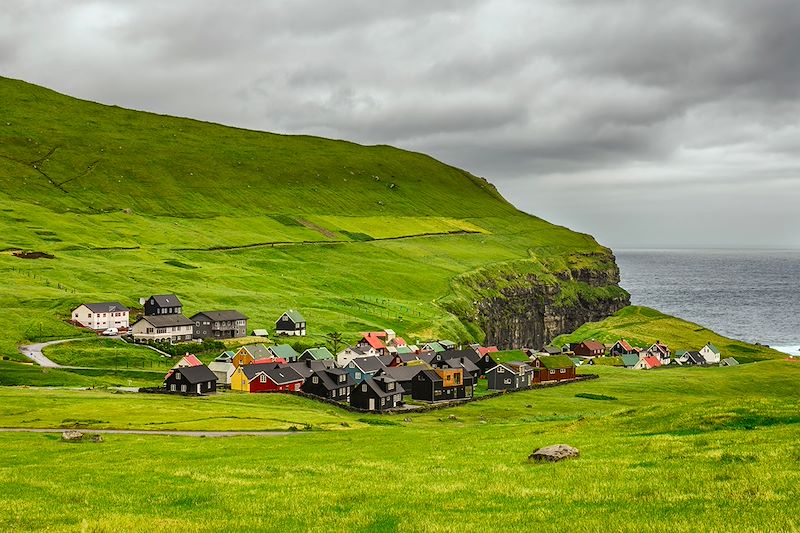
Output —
<point x="554" y="453"/>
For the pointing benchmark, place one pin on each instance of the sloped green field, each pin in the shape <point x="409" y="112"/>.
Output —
<point x="131" y="204"/>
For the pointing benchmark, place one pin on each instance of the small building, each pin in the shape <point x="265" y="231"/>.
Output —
<point x="316" y="354"/>
<point x="433" y="347"/>
<point x="659" y="350"/>
<point x="648" y="362"/>
<point x="620" y="348"/>
<point x="373" y="343"/>
<point x="552" y="368"/>
<point x="222" y="368"/>
<point x="404" y="375"/>
<point x="447" y="345"/>
<point x="227" y="324"/>
<point x="364" y="367"/>
<point x="353" y="352"/>
<point x="590" y="348"/>
<point x="162" y="328"/>
<point x="689" y="358"/>
<point x="266" y="378"/>
<point x="710" y="353"/>
<point x="510" y="376"/>
<point x="629" y="361"/>
<point x="260" y="333"/>
<point x="442" y="384"/>
<point x="245" y="355"/>
<point x="162" y="304"/>
<point x="729" y="361"/>
<point x="191" y="380"/>
<point x="284" y="351"/>
<point x="332" y="383"/>
<point x="188" y="360"/>
<point x="309" y="366"/>
<point x="101" y="316"/>
<point x="377" y="394"/>
<point x="291" y="323"/>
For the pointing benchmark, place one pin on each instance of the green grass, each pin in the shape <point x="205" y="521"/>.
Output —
<point x="695" y="448"/>
<point x="106" y="353"/>
<point x="642" y="326"/>
<point x="133" y="204"/>
<point x="19" y="374"/>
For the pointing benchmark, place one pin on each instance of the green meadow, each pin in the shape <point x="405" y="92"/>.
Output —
<point x="712" y="449"/>
<point x="358" y="237"/>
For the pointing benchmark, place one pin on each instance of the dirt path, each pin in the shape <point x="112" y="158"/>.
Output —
<point x="34" y="352"/>
<point x="211" y="434"/>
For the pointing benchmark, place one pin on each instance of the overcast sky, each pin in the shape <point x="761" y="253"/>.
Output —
<point x="646" y="123"/>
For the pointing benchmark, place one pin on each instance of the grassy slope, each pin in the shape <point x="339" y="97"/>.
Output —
<point x="119" y="196"/>
<point x="642" y="326"/>
<point x="711" y="449"/>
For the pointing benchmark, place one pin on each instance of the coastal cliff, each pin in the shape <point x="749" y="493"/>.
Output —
<point x="529" y="303"/>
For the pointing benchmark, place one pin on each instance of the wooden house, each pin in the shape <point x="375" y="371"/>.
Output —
<point x="729" y="361"/>
<point x="510" y="376"/>
<point x="354" y="352"/>
<point x="265" y="378"/>
<point x="552" y="368"/>
<point x="284" y="351"/>
<point x="404" y="375"/>
<point x="373" y="343"/>
<point x="309" y="366"/>
<point x="245" y="355"/>
<point x="191" y="380"/>
<point x="689" y="358"/>
<point x="433" y="347"/>
<point x="162" y="304"/>
<point x="223" y="368"/>
<point x="101" y="316"/>
<point x="647" y="362"/>
<point x="332" y="383"/>
<point x="590" y="348"/>
<point x="377" y="394"/>
<point x="162" y="328"/>
<point x="442" y="384"/>
<point x="620" y="348"/>
<point x="291" y="323"/>
<point x="227" y="324"/>
<point x="710" y="353"/>
<point x="317" y="354"/>
<point x="364" y="367"/>
<point x="659" y="350"/>
<point x="260" y="333"/>
<point x="466" y="363"/>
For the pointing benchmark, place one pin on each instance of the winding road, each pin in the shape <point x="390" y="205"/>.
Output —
<point x="35" y="354"/>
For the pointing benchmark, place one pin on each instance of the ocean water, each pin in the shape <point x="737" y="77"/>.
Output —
<point x="749" y="295"/>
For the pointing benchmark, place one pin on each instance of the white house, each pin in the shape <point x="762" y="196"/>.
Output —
<point x="223" y="370"/>
<point x="162" y="328"/>
<point x="354" y="352"/>
<point x="102" y="315"/>
<point x="710" y="353"/>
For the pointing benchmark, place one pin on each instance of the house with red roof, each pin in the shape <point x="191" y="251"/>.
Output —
<point x="648" y="362"/>
<point x="483" y="350"/>
<point x="590" y="348"/>
<point x="373" y="341"/>
<point x="620" y="348"/>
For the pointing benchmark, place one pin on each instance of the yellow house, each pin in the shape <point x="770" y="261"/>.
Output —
<point x="247" y="354"/>
<point x="239" y="380"/>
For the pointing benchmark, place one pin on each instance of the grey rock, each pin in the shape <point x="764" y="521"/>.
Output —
<point x="71" y="435"/>
<point x="556" y="452"/>
<point x="97" y="438"/>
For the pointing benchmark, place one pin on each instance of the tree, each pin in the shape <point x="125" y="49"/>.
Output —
<point x="335" y="340"/>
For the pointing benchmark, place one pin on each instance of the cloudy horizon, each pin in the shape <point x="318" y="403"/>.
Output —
<point x="648" y="124"/>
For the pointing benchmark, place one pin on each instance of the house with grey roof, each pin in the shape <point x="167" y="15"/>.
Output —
<point x="228" y="324"/>
<point x="101" y="316"/>
<point x="291" y="323"/>
<point x="162" y="304"/>
<point x="163" y="328"/>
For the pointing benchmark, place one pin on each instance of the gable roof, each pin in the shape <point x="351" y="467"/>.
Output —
<point x="402" y="373"/>
<point x="630" y="359"/>
<point x="434" y="347"/>
<point x="329" y="378"/>
<point x="651" y="361"/>
<point x="458" y="354"/>
<point x="189" y="359"/>
<point x="712" y="348"/>
<point x="489" y="349"/>
<point x="164" y="321"/>
<point x="373" y="341"/>
<point x="256" y="350"/>
<point x="166" y="300"/>
<point x="462" y="362"/>
<point x="221" y="316"/>
<point x="283" y="350"/>
<point x="269" y="360"/>
<point x="106" y="307"/>
<point x="278" y="374"/>
<point x="196" y="374"/>
<point x="309" y="366"/>
<point x="730" y="361"/>
<point x="556" y="361"/>
<point x="379" y="384"/>
<point x="594" y="345"/>
<point x="294" y="316"/>
<point x="624" y="345"/>
<point x="368" y="364"/>
<point x="696" y="358"/>
<point x="260" y="333"/>
<point x="225" y="357"/>
<point x="404" y="350"/>
<point x="319" y="353"/>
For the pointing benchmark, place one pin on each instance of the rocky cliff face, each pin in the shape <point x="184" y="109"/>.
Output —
<point x="529" y="310"/>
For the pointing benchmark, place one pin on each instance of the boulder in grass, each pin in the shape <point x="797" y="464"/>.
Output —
<point x="554" y="453"/>
<point x="71" y="436"/>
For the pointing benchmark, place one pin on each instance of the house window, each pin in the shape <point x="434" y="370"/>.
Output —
<point x="172" y="387"/>
<point x="507" y="381"/>
<point x="183" y="388"/>
<point x="342" y="378"/>
<point x="390" y="386"/>
<point x="500" y="370"/>
<point x="563" y="371"/>
<point x="364" y="387"/>
<point x="315" y="379"/>
<point x="552" y="372"/>
<point x="358" y="375"/>
<point x="178" y="375"/>
<point x="263" y="378"/>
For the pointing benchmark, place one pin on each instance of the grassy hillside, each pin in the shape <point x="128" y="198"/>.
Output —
<point x="694" y="448"/>
<point x="131" y="204"/>
<point x="642" y="326"/>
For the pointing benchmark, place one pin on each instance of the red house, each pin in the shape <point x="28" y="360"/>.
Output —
<point x="373" y="340"/>
<point x="589" y="349"/>
<point x="264" y="378"/>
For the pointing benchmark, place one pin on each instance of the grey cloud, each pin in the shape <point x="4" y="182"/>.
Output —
<point x="553" y="100"/>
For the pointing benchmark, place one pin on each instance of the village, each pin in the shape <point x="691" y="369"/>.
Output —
<point x="380" y="372"/>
